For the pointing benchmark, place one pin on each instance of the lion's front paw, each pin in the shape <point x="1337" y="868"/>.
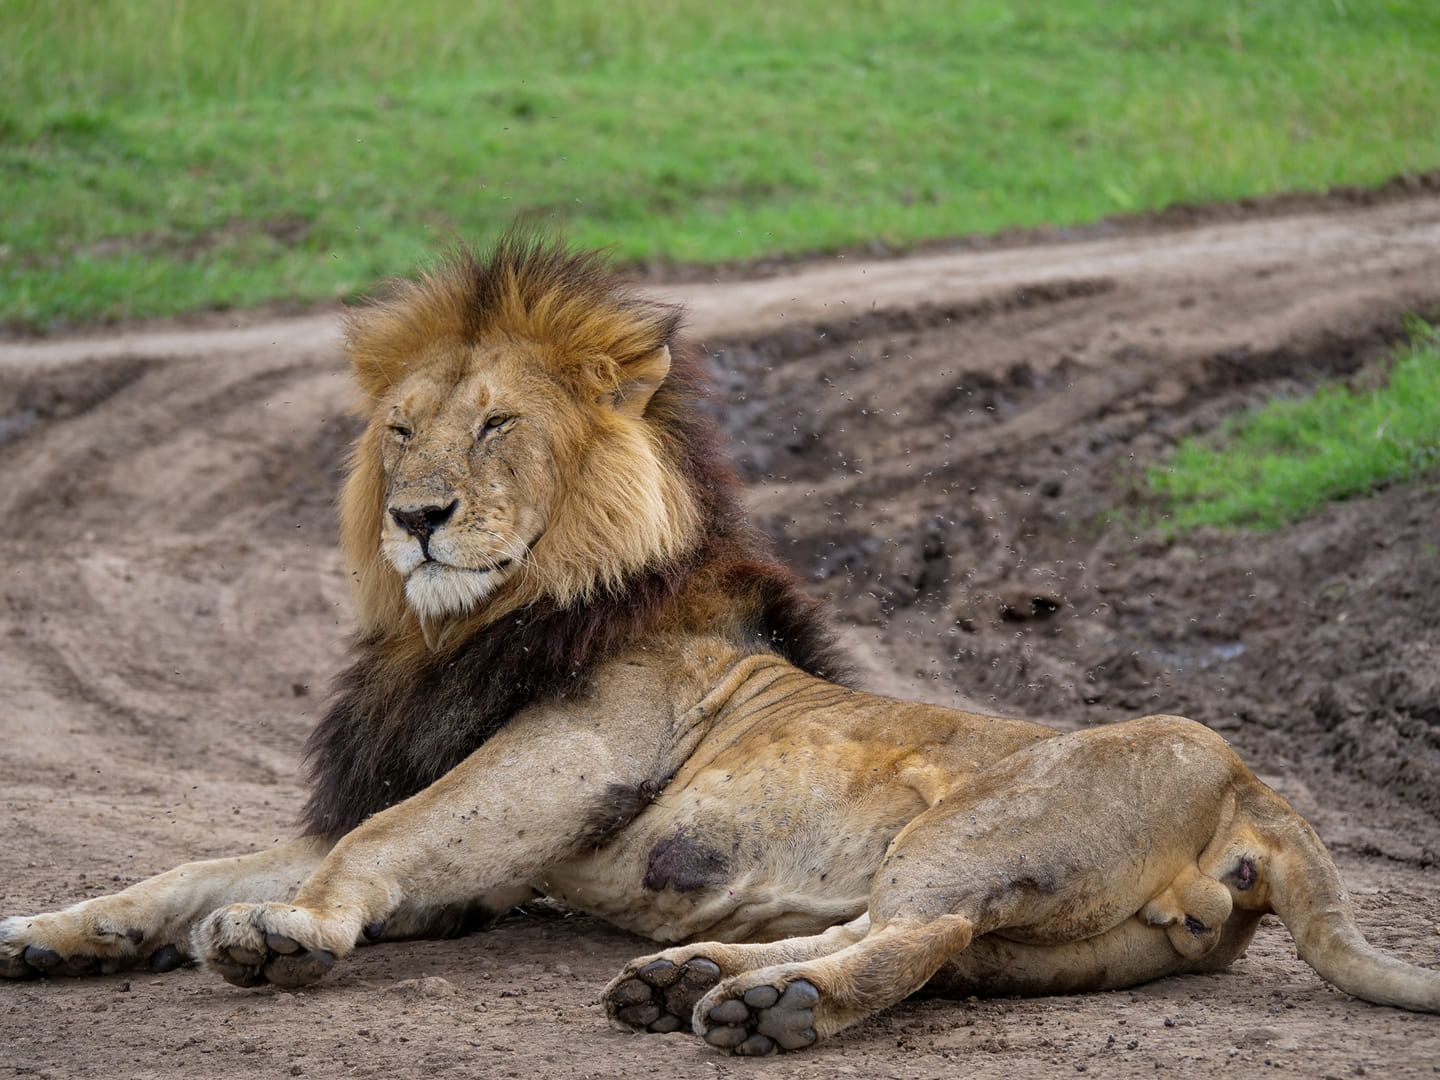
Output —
<point x="80" y="941"/>
<point x="251" y="944"/>
<point x="659" y="994"/>
<point x="756" y="1018"/>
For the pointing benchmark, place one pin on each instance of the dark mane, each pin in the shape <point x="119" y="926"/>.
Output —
<point x="388" y="734"/>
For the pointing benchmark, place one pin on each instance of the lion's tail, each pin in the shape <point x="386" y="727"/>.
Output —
<point x="1306" y="892"/>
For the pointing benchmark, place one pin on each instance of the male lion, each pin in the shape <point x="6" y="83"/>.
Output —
<point x="579" y="672"/>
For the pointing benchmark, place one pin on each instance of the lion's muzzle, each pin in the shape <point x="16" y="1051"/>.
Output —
<point x="423" y="522"/>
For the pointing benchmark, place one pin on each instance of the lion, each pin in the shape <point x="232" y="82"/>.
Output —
<point x="580" y="673"/>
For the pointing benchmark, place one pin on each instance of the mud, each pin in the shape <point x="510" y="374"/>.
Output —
<point x="947" y="446"/>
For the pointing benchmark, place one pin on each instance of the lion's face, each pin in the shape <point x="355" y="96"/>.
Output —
<point x="470" y="479"/>
<point x="487" y="483"/>
<point x="511" y="454"/>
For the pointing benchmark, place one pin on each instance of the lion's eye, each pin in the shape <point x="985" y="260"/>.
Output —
<point x="401" y="432"/>
<point x="495" y="423"/>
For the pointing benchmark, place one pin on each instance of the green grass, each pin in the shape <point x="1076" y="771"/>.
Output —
<point x="1268" y="468"/>
<point x="166" y="155"/>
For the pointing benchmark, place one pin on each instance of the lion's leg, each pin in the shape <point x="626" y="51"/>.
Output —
<point x="150" y="922"/>
<point x="659" y="992"/>
<point x="479" y="834"/>
<point x="387" y="878"/>
<point x="394" y="876"/>
<point x="1125" y="955"/>
<point x="1058" y="848"/>
<point x="790" y="1006"/>
<point x="793" y="1004"/>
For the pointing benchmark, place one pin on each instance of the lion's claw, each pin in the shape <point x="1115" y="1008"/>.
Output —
<point x="763" y="1019"/>
<point x="661" y="996"/>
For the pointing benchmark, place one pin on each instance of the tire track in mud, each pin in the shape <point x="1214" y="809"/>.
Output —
<point x="101" y="446"/>
<point x="142" y="500"/>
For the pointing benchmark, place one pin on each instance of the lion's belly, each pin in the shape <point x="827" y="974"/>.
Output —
<point x="750" y="855"/>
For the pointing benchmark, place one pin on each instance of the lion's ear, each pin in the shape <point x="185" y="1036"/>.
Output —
<point x="639" y="379"/>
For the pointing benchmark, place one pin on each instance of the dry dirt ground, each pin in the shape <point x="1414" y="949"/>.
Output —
<point x="933" y="441"/>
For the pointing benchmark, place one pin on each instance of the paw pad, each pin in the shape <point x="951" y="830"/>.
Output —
<point x="661" y="996"/>
<point x="764" y="1019"/>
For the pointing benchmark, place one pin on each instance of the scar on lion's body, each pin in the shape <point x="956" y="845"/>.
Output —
<point x="684" y="864"/>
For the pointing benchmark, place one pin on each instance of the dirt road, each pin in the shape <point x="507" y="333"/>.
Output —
<point x="934" y="441"/>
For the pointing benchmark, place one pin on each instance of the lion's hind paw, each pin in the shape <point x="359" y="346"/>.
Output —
<point x="661" y="996"/>
<point x="761" y="1019"/>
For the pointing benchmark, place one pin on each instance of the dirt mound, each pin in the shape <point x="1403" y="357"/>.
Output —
<point x="936" y="443"/>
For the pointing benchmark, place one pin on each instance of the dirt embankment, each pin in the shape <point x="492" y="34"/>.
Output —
<point x="933" y="441"/>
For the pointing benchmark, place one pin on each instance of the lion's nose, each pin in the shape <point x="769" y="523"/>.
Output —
<point x="423" y="522"/>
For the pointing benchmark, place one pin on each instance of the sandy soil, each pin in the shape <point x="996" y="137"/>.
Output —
<point x="933" y="442"/>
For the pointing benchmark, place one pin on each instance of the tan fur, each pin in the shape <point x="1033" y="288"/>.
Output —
<point x="830" y="851"/>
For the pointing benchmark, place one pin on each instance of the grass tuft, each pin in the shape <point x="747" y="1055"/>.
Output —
<point x="1284" y="461"/>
